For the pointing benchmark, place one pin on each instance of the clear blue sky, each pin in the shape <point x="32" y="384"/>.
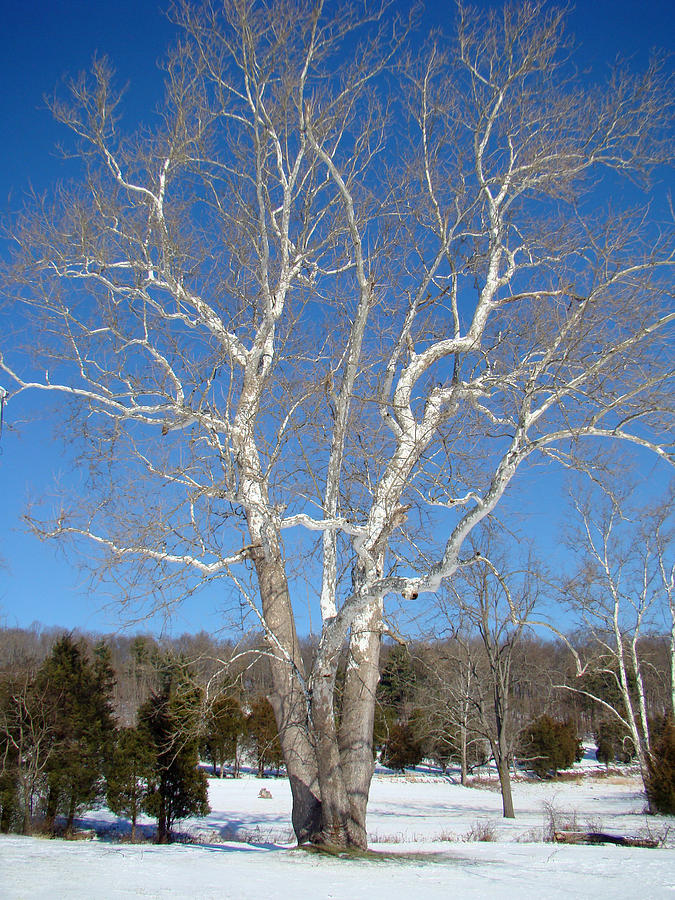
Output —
<point x="43" y="40"/>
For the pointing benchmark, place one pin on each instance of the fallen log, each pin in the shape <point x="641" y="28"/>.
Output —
<point x="601" y="837"/>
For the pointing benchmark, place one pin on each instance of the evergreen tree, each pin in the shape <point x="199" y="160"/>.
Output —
<point x="225" y="726"/>
<point x="661" y="778"/>
<point x="264" y="737"/>
<point x="131" y="772"/>
<point x="79" y="695"/>
<point x="383" y="722"/>
<point x="9" y="785"/>
<point x="9" y="757"/>
<point x="404" y="747"/>
<point x="399" y="679"/>
<point x="613" y="743"/>
<point x="177" y="786"/>
<point x="547" y="745"/>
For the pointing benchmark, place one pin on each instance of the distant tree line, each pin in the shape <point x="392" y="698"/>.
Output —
<point x="125" y="720"/>
<point x="466" y="701"/>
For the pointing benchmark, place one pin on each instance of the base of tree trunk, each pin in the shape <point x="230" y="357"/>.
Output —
<point x="347" y="852"/>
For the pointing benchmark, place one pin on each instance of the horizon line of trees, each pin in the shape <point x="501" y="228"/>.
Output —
<point x="126" y="721"/>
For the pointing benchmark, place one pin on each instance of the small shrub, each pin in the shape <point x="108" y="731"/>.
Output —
<point x="448" y="837"/>
<point x="660" y="835"/>
<point x="547" y="745"/>
<point x="403" y="748"/>
<point x="396" y="838"/>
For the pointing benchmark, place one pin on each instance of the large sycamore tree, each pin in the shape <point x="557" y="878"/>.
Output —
<point x="314" y="318"/>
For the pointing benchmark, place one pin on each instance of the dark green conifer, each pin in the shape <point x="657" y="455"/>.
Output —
<point x="613" y="743"/>
<point x="661" y="778"/>
<point x="404" y="747"/>
<point x="9" y="786"/>
<point x="263" y="736"/>
<point x="547" y="745"/>
<point x="79" y="696"/>
<point x="224" y="728"/>
<point x="130" y="775"/>
<point x="177" y="786"/>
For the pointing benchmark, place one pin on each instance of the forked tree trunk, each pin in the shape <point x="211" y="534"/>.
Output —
<point x="332" y="783"/>
<point x="299" y="753"/>
<point x="329" y="773"/>
<point x="345" y="757"/>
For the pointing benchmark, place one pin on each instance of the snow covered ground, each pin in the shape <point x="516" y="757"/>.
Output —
<point x="424" y="826"/>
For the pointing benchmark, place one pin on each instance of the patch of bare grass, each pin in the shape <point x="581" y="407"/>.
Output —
<point x="396" y="837"/>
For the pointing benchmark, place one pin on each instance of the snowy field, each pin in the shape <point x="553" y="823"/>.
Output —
<point x="424" y="826"/>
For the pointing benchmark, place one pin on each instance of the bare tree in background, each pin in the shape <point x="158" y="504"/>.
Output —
<point x="622" y="591"/>
<point x="26" y="740"/>
<point x="492" y="606"/>
<point x="660" y="530"/>
<point x="447" y="709"/>
<point x="335" y="295"/>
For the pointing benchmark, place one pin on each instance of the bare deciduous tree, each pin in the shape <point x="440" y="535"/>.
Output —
<point x="447" y="705"/>
<point x="621" y="591"/>
<point x="492" y="606"/>
<point x="335" y="293"/>
<point x="26" y="740"/>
